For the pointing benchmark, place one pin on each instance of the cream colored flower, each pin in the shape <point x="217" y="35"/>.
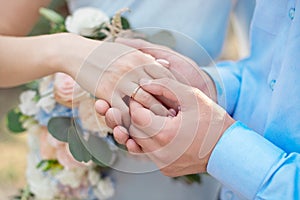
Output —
<point x="105" y="189"/>
<point x="66" y="91"/>
<point x="47" y="103"/>
<point x="72" y="178"/>
<point x="41" y="184"/>
<point x="85" y="21"/>
<point x="51" y="148"/>
<point x="28" y="105"/>
<point x="93" y="177"/>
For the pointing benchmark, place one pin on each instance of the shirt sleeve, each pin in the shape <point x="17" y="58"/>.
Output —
<point x="253" y="167"/>
<point x="227" y="79"/>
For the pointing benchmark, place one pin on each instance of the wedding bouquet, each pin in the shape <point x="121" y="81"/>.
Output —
<point x="59" y="117"/>
<point x="70" y="148"/>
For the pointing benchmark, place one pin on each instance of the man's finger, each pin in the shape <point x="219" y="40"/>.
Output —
<point x="144" y="141"/>
<point x="168" y="88"/>
<point x="133" y="147"/>
<point x="145" y="120"/>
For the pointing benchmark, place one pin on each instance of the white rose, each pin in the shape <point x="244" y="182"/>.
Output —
<point x="41" y="184"/>
<point x="72" y="177"/>
<point x="47" y="103"/>
<point x="85" y="21"/>
<point x="105" y="189"/>
<point x="93" y="177"/>
<point x="28" y="105"/>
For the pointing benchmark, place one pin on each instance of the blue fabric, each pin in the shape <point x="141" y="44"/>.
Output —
<point x="203" y="21"/>
<point x="258" y="156"/>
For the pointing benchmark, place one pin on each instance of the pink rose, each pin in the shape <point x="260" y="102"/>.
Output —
<point x="51" y="148"/>
<point x="66" y="91"/>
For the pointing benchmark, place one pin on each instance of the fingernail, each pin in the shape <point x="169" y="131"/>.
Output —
<point x="163" y="62"/>
<point x="145" y="81"/>
<point x="173" y="112"/>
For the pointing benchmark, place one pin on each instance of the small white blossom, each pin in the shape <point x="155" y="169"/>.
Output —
<point x="28" y="123"/>
<point x="85" y="21"/>
<point x="41" y="185"/>
<point x="93" y="177"/>
<point x="47" y="103"/>
<point x="28" y="105"/>
<point x="72" y="177"/>
<point x="105" y="189"/>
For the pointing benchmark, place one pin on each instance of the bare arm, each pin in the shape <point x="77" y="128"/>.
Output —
<point x="24" y="59"/>
<point x="18" y="17"/>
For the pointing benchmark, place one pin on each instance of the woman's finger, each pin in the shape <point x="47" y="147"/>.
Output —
<point x="121" y="135"/>
<point x="101" y="106"/>
<point x="113" y="117"/>
<point x="133" y="147"/>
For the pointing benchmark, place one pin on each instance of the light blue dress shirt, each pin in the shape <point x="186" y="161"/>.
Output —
<point x="258" y="156"/>
<point x="204" y="22"/>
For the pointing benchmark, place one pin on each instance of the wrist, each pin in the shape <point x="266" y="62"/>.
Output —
<point x="66" y="52"/>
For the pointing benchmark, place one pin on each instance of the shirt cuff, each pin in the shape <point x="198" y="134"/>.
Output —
<point x="227" y="84"/>
<point x="242" y="159"/>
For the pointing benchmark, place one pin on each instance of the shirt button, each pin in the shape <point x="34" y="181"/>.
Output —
<point x="272" y="84"/>
<point x="292" y="13"/>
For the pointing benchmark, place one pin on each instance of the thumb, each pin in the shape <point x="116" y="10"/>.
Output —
<point x="170" y="89"/>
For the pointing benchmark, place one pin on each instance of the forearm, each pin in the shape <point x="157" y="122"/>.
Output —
<point x="18" y="17"/>
<point x="24" y="59"/>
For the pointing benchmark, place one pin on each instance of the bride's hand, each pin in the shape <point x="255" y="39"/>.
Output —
<point x="111" y="71"/>
<point x="184" y="69"/>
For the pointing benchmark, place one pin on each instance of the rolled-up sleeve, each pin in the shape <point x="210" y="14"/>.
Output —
<point x="250" y="165"/>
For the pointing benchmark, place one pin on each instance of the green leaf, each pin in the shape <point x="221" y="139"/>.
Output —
<point x="13" y="121"/>
<point x="51" y="15"/>
<point x="125" y="23"/>
<point x="76" y="147"/>
<point x="97" y="162"/>
<point x="34" y="85"/>
<point x="47" y="165"/>
<point x="59" y="127"/>
<point x="100" y="150"/>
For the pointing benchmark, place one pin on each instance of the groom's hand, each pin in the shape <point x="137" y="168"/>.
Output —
<point x="184" y="69"/>
<point x="182" y="144"/>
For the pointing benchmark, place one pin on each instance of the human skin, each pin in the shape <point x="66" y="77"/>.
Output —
<point x="182" y="144"/>
<point x="25" y="59"/>
<point x="184" y="69"/>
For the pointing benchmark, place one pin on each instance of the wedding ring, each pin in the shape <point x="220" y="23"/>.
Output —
<point x="135" y="92"/>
